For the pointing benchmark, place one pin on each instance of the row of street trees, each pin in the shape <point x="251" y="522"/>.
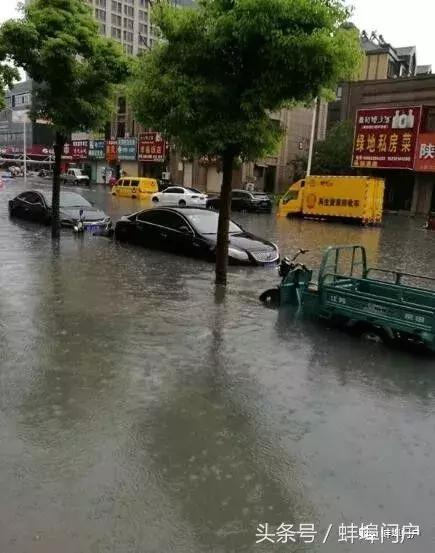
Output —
<point x="209" y="84"/>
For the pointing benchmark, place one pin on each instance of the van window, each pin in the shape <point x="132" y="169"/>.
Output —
<point x="302" y="183"/>
<point x="126" y="182"/>
<point x="290" y="195"/>
<point x="135" y="183"/>
<point x="119" y="183"/>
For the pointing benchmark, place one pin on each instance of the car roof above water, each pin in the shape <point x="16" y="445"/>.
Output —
<point x="183" y="210"/>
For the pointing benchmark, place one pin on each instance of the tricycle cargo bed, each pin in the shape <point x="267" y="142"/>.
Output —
<point x="399" y="306"/>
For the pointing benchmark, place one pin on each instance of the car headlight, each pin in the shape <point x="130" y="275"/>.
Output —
<point x="240" y="255"/>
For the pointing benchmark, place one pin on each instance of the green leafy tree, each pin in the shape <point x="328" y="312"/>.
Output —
<point x="222" y="66"/>
<point x="74" y="69"/>
<point x="8" y="75"/>
<point x="333" y="155"/>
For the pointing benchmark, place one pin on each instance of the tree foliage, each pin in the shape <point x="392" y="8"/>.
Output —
<point x="331" y="156"/>
<point x="74" y="70"/>
<point x="223" y="66"/>
<point x="58" y="45"/>
<point x="8" y="75"/>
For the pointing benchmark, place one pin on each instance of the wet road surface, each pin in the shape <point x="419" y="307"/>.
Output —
<point x="142" y="412"/>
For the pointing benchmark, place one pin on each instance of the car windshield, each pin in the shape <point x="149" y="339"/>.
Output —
<point x="206" y="222"/>
<point x="69" y="199"/>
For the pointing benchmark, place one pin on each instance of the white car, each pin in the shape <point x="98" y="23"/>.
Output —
<point x="181" y="197"/>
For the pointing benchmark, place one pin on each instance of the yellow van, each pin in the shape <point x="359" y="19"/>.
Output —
<point x="135" y="187"/>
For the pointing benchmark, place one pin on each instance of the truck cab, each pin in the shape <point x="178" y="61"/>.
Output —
<point x="292" y="201"/>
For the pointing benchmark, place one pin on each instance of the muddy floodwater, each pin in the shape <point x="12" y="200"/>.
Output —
<point x="142" y="412"/>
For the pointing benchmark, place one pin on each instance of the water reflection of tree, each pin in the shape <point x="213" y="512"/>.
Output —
<point x="218" y="460"/>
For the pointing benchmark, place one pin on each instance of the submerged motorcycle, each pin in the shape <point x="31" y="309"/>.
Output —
<point x="290" y="272"/>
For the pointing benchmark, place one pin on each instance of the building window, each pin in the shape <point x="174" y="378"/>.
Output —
<point x="21" y="99"/>
<point x="121" y="105"/>
<point x="116" y="20"/>
<point x="142" y="15"/>
<point x="128" y="36"/>
<point x="143" y="2"/>
<point x="116" y="33"/>
<point x="128" y="48"/>
<point x="128" y="23"/>
<point x="120" y="129"/>
<point x="116" y="7"/>
<point x="100" y="14"/>
<point x="101" y="3"/>
<point x="102" y="28"/>
<point x="143" y="29"/>
<point x="339" y="93"/>
<point x="128" y="10"/>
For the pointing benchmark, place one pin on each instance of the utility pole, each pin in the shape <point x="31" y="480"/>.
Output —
<point x="313" y="130"/>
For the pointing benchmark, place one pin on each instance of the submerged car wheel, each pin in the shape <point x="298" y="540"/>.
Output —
<point x="155" y="200"/>
<point x="182" y="203"/>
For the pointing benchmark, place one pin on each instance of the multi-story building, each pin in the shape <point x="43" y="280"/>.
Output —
<point x="39" y="137"/>
<point x="381" y="61"/>
<point x="391" y="80"/>
<point x="128" y="21"/>
<point x="410" y="185"/>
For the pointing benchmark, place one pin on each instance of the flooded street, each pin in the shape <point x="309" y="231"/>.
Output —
<point x="141" y="412"/>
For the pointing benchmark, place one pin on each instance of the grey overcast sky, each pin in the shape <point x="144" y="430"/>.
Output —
<point x="401" y="22"/>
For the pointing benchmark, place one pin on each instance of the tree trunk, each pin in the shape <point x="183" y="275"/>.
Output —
<point x="58" y="150"/>
<point x="224" y="218"/>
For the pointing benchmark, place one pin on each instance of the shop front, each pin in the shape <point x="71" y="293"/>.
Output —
<point x="152" y="151"/>
<point x="392" y="142"/>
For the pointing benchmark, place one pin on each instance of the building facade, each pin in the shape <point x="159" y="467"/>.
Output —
<point x="128" y="22"/>
<point x="401" y="151"/>
<point x="39" y="137"/>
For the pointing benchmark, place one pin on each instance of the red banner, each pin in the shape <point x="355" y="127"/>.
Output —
<point x="38" y="150"/>
<point x="425" y="153"/>
<point x="386" y="138"/>
<point x="152" y="147"/>
<point x="80" y="149"/>
<point x="34" y="150"/>
<point x="111" y="150"/>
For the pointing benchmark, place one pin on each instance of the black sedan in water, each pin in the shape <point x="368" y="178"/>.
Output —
<point x="193" y="232"/>
<point x="243" y="200"/>
<point x="35" y="205"/>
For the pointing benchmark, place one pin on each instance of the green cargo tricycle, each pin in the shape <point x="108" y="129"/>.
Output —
<point x="390" y="305"/>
